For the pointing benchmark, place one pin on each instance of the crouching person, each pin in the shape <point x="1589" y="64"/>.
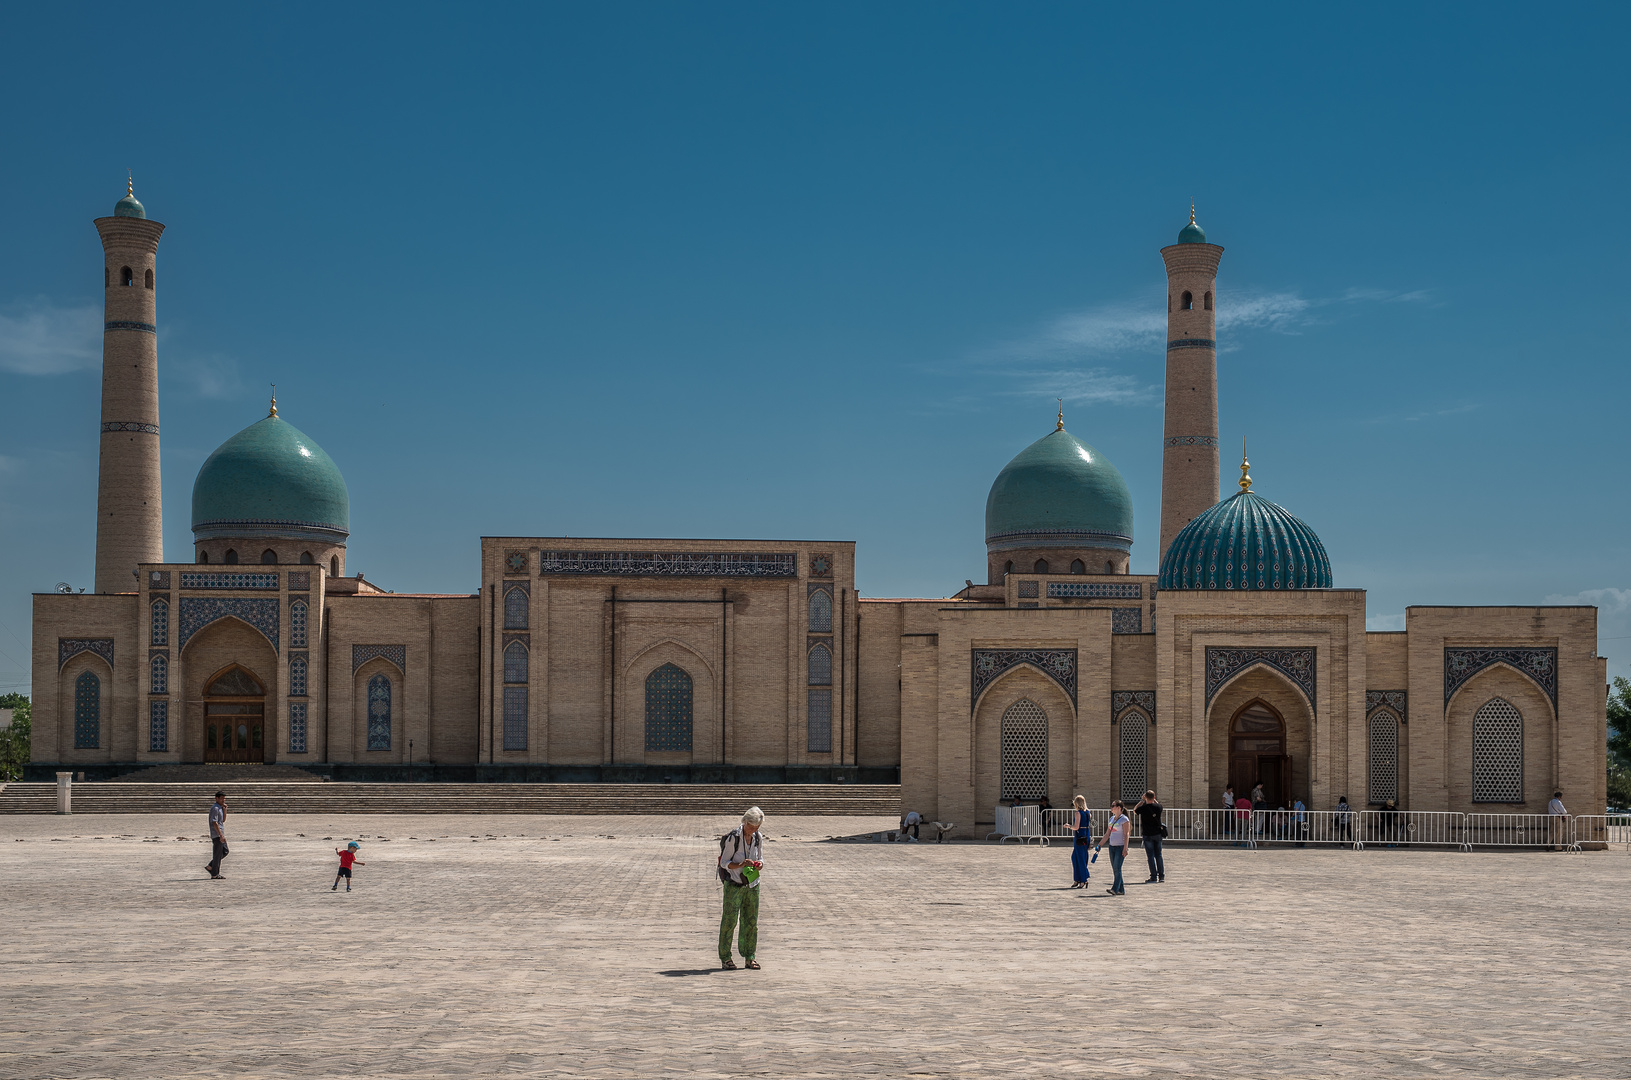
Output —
<point x="741" y="857"/>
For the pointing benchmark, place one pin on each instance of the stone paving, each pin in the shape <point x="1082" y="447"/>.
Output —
<point x="584" y="947"/>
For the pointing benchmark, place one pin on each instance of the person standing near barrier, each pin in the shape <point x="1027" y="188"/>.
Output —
<point x="1344" y="820"/>
<point x="740" y="860"/>
<point x="1299" y="821"/>
<point x="1560" y="822"/>
<point x="1151" y="828"/>
<point x="1229" y="808"/>
<point x="1115" y="838"/>
<point x="218" y="835"/>
<point x="1084" y="840"/>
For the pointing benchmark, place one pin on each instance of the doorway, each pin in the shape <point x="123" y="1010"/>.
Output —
<point x="1257" y="753"/>
<point x="235" y="717"/>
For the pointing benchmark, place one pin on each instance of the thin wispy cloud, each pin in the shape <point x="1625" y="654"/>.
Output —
<point x="210" y="375"/>
<point x="40" y="338"/>
<point x="1425" y="414"/>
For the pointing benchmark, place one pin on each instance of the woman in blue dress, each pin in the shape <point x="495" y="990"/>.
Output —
<point x="1084" y="841"/>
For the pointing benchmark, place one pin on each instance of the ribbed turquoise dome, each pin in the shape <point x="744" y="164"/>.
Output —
<point x="129" y="207"/>
<point x="1059" y="491"/>
<point x="271" y="479"/>
<point x="1192" y="234"/>
<point x="1245" y="542"/>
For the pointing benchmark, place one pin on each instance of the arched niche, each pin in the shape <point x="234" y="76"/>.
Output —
<point x="632" y="700"/>
<point x="1278" y="696"/>
<point x="1539" y="732"/>
<point x="223" y="644"/>
<point x="1018" y="683"/>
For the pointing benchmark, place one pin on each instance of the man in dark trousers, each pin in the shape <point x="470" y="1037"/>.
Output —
<point x="218" y="834"/>
<point x="1149" y="824"/>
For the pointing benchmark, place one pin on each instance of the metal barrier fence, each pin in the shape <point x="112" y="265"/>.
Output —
<point x="1515" y="830"/>
<point x="1404" y="828"/>
<point x="1301" y="828"/>
<point x="1020" y="823"/>
<point x="1609" y="830"/>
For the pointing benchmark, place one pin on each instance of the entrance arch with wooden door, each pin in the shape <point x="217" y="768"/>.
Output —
<point x="1257" y="753"/>
<point x="234" y="717"/>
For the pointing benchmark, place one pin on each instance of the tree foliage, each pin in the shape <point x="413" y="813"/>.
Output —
<point x="1619" y="743"/>
<point x="14" y="745"/>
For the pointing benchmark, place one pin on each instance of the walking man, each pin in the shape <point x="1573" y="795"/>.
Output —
<point x="218" y="835"/>
<point x="741" y="857"/>
<point x="1149" y="825"/>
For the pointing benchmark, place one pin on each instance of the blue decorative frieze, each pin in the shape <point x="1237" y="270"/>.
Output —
<point x="158" y="579"/>
<point x="300" y="580"/>
<point x="198" y="612"/>
<point x="1190" y="440"/>
<point x="1191" y="343"/>
<point x="1057" y="664"/>
<point x="1127" y="620"/>
<point x="669" y="564"/>
<point x="1394" y="700"/>
<point x="1094" y="590"/>
<point x="1462" y="664"/>
<point x="68" y="648"/>
<point x="196" y="580"/>
<point x="129" y="425"/>
<point x="1122" y="700"/>
<point x="396" y="654"/>
<point x="1028" y="590"/>
<point x="1224" y="663"/>
<point x="123" y="324"/>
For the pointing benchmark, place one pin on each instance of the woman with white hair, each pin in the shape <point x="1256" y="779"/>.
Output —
<point x="740" y="860"/>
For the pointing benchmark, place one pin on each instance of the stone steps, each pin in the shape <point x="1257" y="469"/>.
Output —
<point x="277" y="797"/>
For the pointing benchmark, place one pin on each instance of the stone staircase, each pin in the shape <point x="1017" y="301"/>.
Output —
<point x="217" y="772"/>
<point x="135" y="796"/>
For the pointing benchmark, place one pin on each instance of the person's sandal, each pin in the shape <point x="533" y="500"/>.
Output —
<point x="727" y="964"/>
<point x="753" y="965"/>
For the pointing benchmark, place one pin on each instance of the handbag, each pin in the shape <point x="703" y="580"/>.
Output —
<point x="1164" y="833"/>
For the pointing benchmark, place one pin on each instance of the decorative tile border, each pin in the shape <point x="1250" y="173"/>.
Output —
<point x="1122" y="700"/>
<point x="1191" y="343"/>
<point x="669" y="564"/>
<point x="68" y="648"/>
<point x="1028" y="590"/>
<point x="515" y="562"/>
<point x="1224" y="663"/>
<point x="396" y="654"/>
<point x="1190" y="440"/>
<point x="1127" y="620"/>
<point x="129" y="425"/>
<point x="1389" y="699"/>
<point x="198" y="612"/>
<point x="300" y="580"/>
<point x="158" y="579"/>
<point x="1094" y="590"/>
<point x="125" y="324"/>
<point x="821" y="565"/>
<point x="191" y="579"/>
<point x="989" y="664"/>
<point x="1462" y="664"/>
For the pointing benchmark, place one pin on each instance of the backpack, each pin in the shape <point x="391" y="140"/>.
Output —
<point x="725" y="875"/>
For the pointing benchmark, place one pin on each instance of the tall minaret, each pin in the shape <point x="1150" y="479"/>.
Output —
<point x="1189" y="450"/>
<point x="129" y="518"/>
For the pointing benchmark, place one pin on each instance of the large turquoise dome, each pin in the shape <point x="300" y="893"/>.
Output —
<point x="1059" y="492"/>
<point x="271" y="479"/>
<point x="1245" y="542"/>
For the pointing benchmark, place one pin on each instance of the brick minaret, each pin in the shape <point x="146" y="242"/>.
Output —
<point x="129" y="519"/>
<point x="1189" y="449"/>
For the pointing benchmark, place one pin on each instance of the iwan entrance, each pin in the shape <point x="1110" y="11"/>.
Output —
<point x="234" y="717"/>
<point x="1257" y="753"/>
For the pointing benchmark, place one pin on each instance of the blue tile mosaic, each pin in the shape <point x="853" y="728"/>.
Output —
<point x="1224" y="663"/>
<point x="68" y="648"/>
<point x="1127" y="620"/>
<point x="1191" y="343"/>
<point x="379" y="713"/>
<point x="193" y="579"/>
<point x="1094" y="590"/>
<point x="198" y="612"/>
<point x="129" y="425"/>
<point x="1122" y="700"/>
<point x="158" y="726"/>
<point x="87" y="711"/>
<point x="669" y="564"/>
<point x="297" y="728"/>
<point x="818" y="722"/>
<point x="1395" y="700"/>
<point x="1057" y="664"/>
<point x="1539" y="664"/>
<point x="125" y="324"/>
<point x="1190" y="440"/>
<point x="396" y="654"/>
<point x="668" y="710"/>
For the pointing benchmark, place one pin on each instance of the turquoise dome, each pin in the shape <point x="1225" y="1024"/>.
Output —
<point x="1192" y="234"/>
<point x="271" y="480"/>
<point x="129" y="207"/>
<point x="1059" y="492"/>
<point x="1245" y="542"/>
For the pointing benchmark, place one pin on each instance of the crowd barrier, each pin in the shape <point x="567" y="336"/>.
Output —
<point x="1020" y="823"/>
<point x="1609" y="830"/>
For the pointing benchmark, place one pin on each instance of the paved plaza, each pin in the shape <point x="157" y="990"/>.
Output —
<point x="585" y="946"/>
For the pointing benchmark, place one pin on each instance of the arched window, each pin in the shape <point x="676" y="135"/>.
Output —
<point x="87" y="711"/>
<point x="1041" y="567"/>
<point x="333" y="566"/>
<point x="1078" y="567"/>
<point x="161" y="623"/>
<point x="158" y="676"/>
<point x="1189" y="302"/>
<point x="1382" y="731"/>
<point x="818" y="722"/>
<point x="306" y="559"/>
<point x="1110" y="568"/>
<point x="125" y="277"/>
<point x="158" y="726"/>
<point x="515" y="718"/>
<point x="1497" y="753"/>
<point x="150" y="279"/>
<point x="1024" y="751"/>
<point x="268" y="557"/>
<point x="297" y="727"/>
<point x="297" y="624"/>
<point x="1208" y="301"/>
<point x="203" y="556"/>
<point x="668" y="710"/>
<point x="297" y="677"/>
<point x="515" y="663"/>
<point x="821" y="612"/>
<point x="820" y="666"/>
<point x="379" y="712"/>
<point x="232" y="557"/>
<point x="1008" y="567"/>
<point x="1135" y="755"/>
<point x="515" y="609"/>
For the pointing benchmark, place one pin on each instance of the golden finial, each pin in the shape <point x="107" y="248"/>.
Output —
<point x="130" y="184"/>
<point x="1061" y="402"/>
<point x="1192" y="213"/>
<point x="274" y="401"/>
<point x="1245" y="477"/>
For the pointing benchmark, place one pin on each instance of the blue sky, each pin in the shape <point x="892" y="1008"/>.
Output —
<point x="765" y="271"/>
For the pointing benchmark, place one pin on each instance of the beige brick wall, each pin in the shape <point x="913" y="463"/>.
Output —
<point x="84" y="616"/>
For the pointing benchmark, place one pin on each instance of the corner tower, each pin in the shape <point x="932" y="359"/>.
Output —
<point x="1189" y="447"/>
<point x="129" y="515"/>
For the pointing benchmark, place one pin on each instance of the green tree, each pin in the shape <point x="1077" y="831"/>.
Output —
<point x="1619" y="743"/>
<point x="14" y="744"/>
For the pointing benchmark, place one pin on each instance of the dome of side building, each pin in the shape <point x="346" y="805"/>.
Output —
<point x="1058" y="507"/>
<point x="1245" y="542"/>
<point x="271" y="494"/>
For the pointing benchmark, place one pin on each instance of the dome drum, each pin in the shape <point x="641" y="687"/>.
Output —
<point x="309" y="531"/>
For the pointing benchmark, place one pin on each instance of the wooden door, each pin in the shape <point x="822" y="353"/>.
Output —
<point x="234" y="717"/>
<point x="1257" y="749"/>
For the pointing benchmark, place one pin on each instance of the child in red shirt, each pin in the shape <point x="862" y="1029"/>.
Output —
<point x="348" y="856"/>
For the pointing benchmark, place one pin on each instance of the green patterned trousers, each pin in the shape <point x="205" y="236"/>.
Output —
<point x="741" y="903"/>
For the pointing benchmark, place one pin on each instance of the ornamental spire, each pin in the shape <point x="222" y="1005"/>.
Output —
<point x="274" y="401"/>
<point x="1245" y="477"/>
<point x="130" y="184"/>
<point x="1192" y="213"/>
<point x="1061" y="425"/>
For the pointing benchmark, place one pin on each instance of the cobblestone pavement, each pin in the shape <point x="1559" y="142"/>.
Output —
<point x="584" y="947"/>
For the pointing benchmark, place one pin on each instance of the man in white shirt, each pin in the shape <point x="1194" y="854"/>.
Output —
<point x="740" y="850"/>
<point x="911" y="823"/>
<point x="1560" y="821"/>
